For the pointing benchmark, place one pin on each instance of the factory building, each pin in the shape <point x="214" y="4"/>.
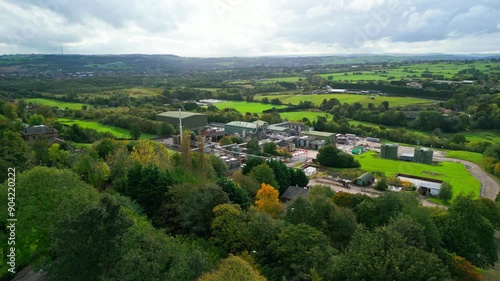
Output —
<point x="244" y="128"/>
<point x="190" y="120"/>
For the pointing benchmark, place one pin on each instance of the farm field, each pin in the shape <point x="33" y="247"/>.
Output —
<point x="473" y="157"/>
<point x="413" y="72"/>
<point x="243" y="106"/>
<point x="60" y="104"/>
<point x="347" y="98"/>
<point x="298" y="115"/>
<point x="491" y="136"/>
<point x="117" y="132"/>
<point x="455" y="173"/>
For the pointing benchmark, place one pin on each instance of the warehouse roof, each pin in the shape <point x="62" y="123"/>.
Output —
<point x="175" y="114"/>
<point x="277" y="128"/>
<point x="242" y="124"/>
<point x="318" y="134"/>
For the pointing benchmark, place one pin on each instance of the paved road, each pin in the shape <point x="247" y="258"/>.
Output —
<point x="490" y="186"/>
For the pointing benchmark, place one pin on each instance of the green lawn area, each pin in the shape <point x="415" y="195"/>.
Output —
<point x="473" y="157"/>
<point x="347" y="98"/>
<point x="117" y="132"/>
<point x="244" y="107"/>
<point x="455" y="173"/>
<point x="482" y="135"/>
<point x="143" y="91"/>
<point x="298" y="115"/>
<point x="60" y="104"/>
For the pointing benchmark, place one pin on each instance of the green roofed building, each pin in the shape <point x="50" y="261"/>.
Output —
<point x="244" y="128"/>
<point x="190" y="120"/>
<point x="318" y="135"/>
<point x="365" y="179"/>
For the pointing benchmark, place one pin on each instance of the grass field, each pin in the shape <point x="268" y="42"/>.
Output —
<point x="455" y="173"/>
<point x="60" y="104"/>
<point x="491" y="136"/>
<point x="117" y="132"/>
<point x="243" y="106"/>
<point x="298" y="115"/>
<point x="347" y="98"/>
<point x="473" y="157"/>
<point x="408" y="72"/>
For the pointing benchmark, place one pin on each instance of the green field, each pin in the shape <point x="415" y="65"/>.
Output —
<point x="347" y="98"/>
<point x="298" y="115"/>
<point x="243" y="106"/>
<point x="117" y="132"/>
<point x="455" y="173"/>
<point x="477" y="136"/>
<point x="407" y="72"/>
<point x="473" y="157"/>
<point x="60" y="104"/>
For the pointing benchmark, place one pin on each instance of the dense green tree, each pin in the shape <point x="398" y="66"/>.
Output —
<point x="13" y="152"/>
<point x="489" y="210"/>
<point x="147" y="186"/>
<point x="46" y="111"/>
<point x="298" y="177"/>
<point x="9" y="111"/>
<point x="220" y="168"/>
<point x="247" y="183"/>
<point x="270" y="148"/>
<point x="468" y="234"/>
<point x="234" y="193"/>
<point x="105" y="147"/>
<point x="264" y="174"/>
<point x="250" y="163"/>
<point x="188" y="208"/>
<point x="226" y="140"/>
<point x="331" y="156"/>
<point x="394" y="252"/>
<point x="378" y="211"/>
<point x="40" y="148"/>
<point x="381" y="184"/>
<point x="298" y="249"/>
<point x="148" y="254"/>
<point x="228" y="228"/>
<point x="281" y="174"/>
<point x="87" y="245"/>
<point x="446" y="192"/>
<point x="253" y="146"/>
<point x="44" y="194"/>
<point x="135" y="131"/>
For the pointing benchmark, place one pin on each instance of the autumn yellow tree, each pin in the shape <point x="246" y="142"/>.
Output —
<point x="233" y="268"/>
<point x="147" y="152"/>
<point x="267" y="200"/>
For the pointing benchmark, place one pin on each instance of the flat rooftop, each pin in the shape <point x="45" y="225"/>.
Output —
<point x="242" y="124"/>
<point x="175" y="114"/>
<point x="317" y="134"/>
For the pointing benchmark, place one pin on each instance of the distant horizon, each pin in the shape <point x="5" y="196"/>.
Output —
<point x="478" y="54"/>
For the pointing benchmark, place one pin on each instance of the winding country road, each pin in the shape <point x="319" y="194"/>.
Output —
<point x="489" y="186"/>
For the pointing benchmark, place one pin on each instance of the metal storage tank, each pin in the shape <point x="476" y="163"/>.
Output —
<point x="417" y="155"/>
<point x="389" y="151"/>
<point x="423" y="155"/>
<point x="427" y="155"/>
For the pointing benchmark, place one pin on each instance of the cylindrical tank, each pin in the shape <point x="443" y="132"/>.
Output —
<point x="427" y="156"/>
<point x="417" y="155"/>
<point x="392" y="151"/>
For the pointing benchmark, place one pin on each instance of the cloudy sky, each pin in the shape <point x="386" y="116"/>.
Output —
<point x="249" y="28"/>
